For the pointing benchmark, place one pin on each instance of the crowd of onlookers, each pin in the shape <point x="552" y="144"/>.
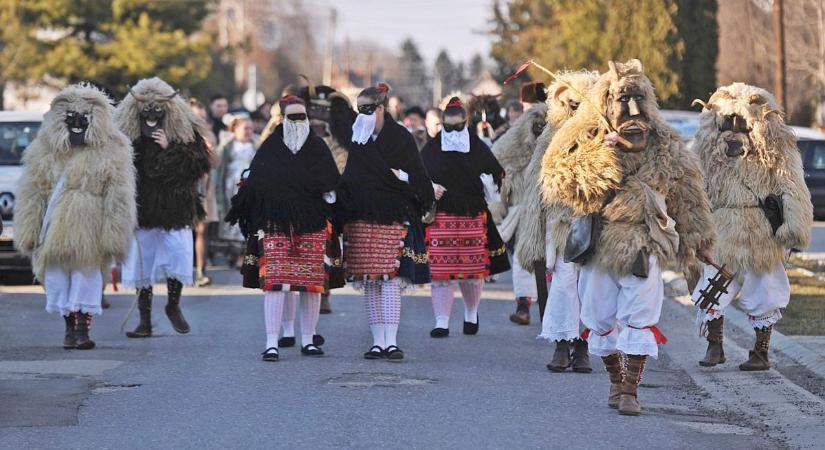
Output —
<point x="234" y="135"/>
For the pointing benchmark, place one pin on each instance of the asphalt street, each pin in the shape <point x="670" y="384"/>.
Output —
<point x="209" y="389"/>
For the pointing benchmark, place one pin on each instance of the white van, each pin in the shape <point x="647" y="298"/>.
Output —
<point x="17" y="130"/>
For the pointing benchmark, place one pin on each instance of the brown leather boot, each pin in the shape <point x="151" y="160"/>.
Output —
<point x="715" y="353"/>
<point x="561" y="357"/>
<point x="82" y="325"/>
<point x="522" y="314"/>
<point x="173" y="311"/>
<point x="69" y="341"/>
<point x="629" y="401"/>
<point x="581" y="357"/>
<point x="759" y="355"/>
<point x="615" y="370"/>
<point x="144" y="328"/>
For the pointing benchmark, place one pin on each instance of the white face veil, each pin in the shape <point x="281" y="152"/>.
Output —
<point x="295" y="133"/>
<point x="455" y="141"/>
<point x="363" y="128"/>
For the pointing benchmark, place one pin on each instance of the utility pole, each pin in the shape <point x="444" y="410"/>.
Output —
<point x="779" y="39"/>
<point x="333" y="16"/>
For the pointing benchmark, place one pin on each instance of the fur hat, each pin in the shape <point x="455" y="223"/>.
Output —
<point x="180" y="123"/>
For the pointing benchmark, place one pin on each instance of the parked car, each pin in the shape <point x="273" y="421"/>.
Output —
<point x="17" y="130"/>
<point x="812" y="145"/>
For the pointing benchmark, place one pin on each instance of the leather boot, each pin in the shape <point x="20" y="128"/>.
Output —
<point x="629" y="401"/>
<point x="144" y="328"/>
<point x="615" y="370"/>
<point x="715" y="353"/>
<point x="759" y="355"/>
<point x="581" y="357"/>
<point x="522" y="314"/>
<point x="69" y="341"/>
<point x="561" y="357"/>
<point x="173" y="311"/>
<point x="83" y="323"/>
<point x="326" y="308"/>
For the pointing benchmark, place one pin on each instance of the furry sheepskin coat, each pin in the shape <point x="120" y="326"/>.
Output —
<point x="580" y="172"/>
<point x="562" y="102"/>
<point x="770" y="163"/>
<point x="93" y="218"/>
<point x="514" y="150"/>
<point x="167" y="191"/>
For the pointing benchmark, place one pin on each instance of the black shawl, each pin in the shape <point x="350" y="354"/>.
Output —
<point x="284" y="191"/>
<point x="167" y="194"/>
<point x="460" y="173"/>
<point x="370" y="191"/>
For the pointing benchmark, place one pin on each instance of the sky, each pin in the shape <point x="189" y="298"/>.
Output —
<point x="454" y="25"/>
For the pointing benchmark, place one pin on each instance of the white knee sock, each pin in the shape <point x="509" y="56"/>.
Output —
<point x="273" y="311"/>
<point x="390" y="310"/>
<point x="390" y="333"/>
<point x="288" y="321"/>
<point x="442" y="304"/>
<point x="471" y="291"/>
<point x="310" y="310"/>
<point x="372" y="304"/>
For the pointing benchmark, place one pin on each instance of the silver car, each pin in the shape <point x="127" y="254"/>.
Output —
<point x="17" y="130"/>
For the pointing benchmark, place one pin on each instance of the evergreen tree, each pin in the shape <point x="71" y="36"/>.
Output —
<point x="677" y="49"/>
<point x="111" y="42"/>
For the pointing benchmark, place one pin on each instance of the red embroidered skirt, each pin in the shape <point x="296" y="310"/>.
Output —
<point x="458" y="247"/>
<point x="294" y="263"/>
<point x="372" y="251"/>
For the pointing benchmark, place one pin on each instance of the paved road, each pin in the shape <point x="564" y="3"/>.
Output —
<point x="209" y="389"/>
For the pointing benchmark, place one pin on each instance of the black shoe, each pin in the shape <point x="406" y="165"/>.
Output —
<point x="311" y="350"/>
<point x="318" y="340"/>
<point x="439" y="332"/>
<point x="144" y="328"/>
<point x="471" y="328"/>
<point x="287" y="341"/>
<point x="104" y="302"/>
<point x="375" y="352"/>
<point x="173" y="311"/>
<point x="82" y="325"/>
<point x="394" y="353"/>
<point x="69" y="341"/>
<point x="270" y="354"/>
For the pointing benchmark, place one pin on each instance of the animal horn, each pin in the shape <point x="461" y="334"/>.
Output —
<point x="138" y="97"/>
<point x="170" y="96"/>
<point x="310" y="86"/>
<point x="768" y="112"/>
<point x="699" y="101"/>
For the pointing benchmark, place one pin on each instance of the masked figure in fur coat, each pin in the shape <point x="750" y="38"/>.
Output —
<point x="171" y="155"/>
<point x="619" y="167"/>
<point x="545" y="228"/>
<point x="761" y="208"/>
<point x="76" y="207"/>
<point x="514" y="150"/>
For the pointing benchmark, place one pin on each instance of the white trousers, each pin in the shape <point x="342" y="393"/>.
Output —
<point x="524" y="282"/>
<point x="631" y="302"/>
<point x="762" y="295"/>
<point x="73" y="291"/>
<point x="158" y="254"/>
<point x="562" y="314"/>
